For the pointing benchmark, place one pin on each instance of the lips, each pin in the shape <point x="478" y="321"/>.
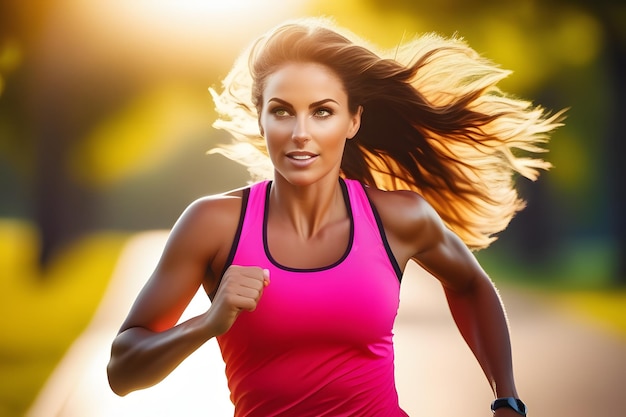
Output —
<point x="301" y="156"/>
<point x="301" y="159"/>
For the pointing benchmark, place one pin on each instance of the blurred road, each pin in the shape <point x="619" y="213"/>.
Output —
<point x="565" y="367"/>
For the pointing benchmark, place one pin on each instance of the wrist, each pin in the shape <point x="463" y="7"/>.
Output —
<point x="509" y="402"/>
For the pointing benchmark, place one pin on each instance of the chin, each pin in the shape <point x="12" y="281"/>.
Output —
<point x="299" y="179"/>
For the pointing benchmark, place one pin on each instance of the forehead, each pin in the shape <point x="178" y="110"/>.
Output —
<point x="300" y="79"/>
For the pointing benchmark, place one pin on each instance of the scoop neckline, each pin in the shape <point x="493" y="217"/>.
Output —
<point x="268" y="254"/>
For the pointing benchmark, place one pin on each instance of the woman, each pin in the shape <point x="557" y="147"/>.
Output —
<point x="374" y="162"/>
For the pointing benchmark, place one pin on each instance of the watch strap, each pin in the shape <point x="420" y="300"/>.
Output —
<point x="510" y="402"/>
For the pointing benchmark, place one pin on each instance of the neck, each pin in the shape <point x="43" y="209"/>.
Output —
<point x="307" y="209"/>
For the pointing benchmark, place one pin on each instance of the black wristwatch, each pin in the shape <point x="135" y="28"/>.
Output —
<point x="515" y="403"/>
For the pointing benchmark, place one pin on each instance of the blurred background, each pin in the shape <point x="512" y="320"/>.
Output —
<point x="105" y="120"/>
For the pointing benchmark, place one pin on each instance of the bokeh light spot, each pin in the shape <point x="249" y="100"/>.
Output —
<point x="10" y="55"/>
<point x="577" y="38"/>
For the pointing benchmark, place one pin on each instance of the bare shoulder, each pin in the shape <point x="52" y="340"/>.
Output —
<point x="401" y="208"/>
<point x="402" y="200"/>
<point x="415" y="231"/>
<point x="212" y="209"/>
<point x="206" y="229"/>
<point x="410" y="222"/>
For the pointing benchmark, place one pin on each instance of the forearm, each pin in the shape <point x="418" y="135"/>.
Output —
<point x="480" y="317"/>
<point x="141" y="358"/>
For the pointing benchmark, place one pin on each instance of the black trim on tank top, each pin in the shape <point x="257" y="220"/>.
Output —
<point x="233" y="248"/>
<point x="346" y="200"/>
<point x="383" y="236"/>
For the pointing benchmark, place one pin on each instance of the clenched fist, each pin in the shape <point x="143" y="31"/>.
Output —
<point x="241" y="289"/>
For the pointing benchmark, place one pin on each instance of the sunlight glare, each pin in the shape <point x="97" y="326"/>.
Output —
<point x="181" y="28"/>
<point x="214" y="16"/>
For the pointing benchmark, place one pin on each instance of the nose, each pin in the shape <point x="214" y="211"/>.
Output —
<point x="301" y="133"/>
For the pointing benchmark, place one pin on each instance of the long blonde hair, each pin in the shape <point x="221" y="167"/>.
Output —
<point x="434" y="121"/>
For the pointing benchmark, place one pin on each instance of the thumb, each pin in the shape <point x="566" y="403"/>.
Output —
<point x="266" y="277"/>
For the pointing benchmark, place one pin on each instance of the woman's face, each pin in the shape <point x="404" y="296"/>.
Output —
<point x="305" y="121"/>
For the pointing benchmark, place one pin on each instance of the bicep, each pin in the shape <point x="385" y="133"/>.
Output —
<point x="176" y="277"/>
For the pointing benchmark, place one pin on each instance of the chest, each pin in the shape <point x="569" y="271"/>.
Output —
<point x="340" y="288"/>
<point x="351" y="303"/>
<point x="324" y="248"/>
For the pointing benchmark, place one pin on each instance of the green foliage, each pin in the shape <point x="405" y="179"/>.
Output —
<point x="578" y="280"/>
<point x="42" y="317"/>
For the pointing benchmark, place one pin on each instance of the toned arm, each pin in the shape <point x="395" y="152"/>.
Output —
<point x="416" y="232"/>
<point x="149" y="344"/>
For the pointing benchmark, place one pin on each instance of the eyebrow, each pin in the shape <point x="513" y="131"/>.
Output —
<point x="312" y="105"/>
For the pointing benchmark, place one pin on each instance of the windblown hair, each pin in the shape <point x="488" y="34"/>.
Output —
<point x="433" y="121"/>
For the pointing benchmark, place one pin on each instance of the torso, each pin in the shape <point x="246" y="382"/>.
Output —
<point x="314" y="323"/>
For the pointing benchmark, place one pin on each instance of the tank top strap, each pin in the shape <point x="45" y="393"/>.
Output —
<point x="257" y="203"/>
<point x="364" y="212"/>
<point x="253" y="218"/>
<point x="362" y="209"/>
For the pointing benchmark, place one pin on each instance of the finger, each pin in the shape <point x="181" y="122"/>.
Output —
<point x="248" y="292"/>
<point x="252" y="283"/>
<point x="254" y="276"/>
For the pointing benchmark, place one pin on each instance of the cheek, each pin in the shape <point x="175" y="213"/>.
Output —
<point x="275" y="128"/>
<point x="332" y="135"/>
<point x="276" y="136"/>
<point x="276" y="140"/>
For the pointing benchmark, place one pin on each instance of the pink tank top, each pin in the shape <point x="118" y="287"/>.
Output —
<point x="320" y="342"/>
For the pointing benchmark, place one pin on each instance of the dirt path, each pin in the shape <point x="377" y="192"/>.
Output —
<point x="564" y="367"/>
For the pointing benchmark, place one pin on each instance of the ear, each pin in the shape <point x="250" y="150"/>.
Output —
<point x="355" y="123"/>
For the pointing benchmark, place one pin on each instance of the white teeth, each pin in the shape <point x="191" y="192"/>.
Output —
<point x="301" y="157"/>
